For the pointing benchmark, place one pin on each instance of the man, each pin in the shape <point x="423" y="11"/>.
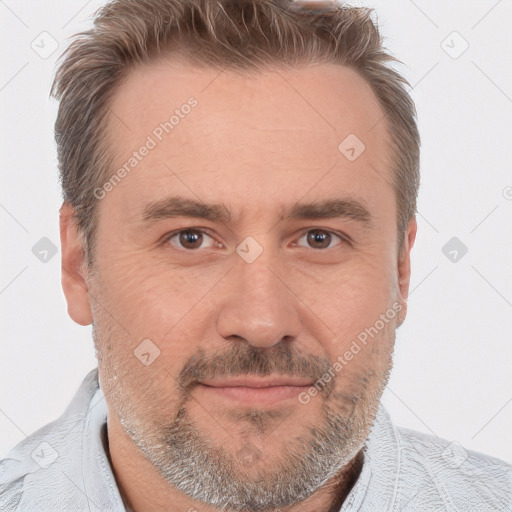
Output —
<point x="240" y="183"/>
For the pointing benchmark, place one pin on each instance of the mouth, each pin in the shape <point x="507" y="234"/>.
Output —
<point x="255" y="392"/>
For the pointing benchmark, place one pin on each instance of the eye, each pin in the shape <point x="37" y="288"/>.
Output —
<point x="320" y="239"/>
<point x="191" y="239"/>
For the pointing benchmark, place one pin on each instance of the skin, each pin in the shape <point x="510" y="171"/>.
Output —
<point x="255" y="144"/>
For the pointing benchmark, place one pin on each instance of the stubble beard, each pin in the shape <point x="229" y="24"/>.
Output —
<point x="194" y="463"/>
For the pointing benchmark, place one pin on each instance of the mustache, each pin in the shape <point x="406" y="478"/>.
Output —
<point x="244" y="359"/>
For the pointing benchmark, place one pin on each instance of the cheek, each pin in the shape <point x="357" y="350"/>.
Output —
<point x="156" y="302"/>
<point x="149" y="296"/>
<point x="135" y="367"/>
<point x="362" y="364"/>
<point x="349" y="299"/>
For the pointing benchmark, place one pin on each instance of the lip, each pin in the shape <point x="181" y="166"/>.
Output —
<point x="254" y="382"/>
<point x="256" y="392"/>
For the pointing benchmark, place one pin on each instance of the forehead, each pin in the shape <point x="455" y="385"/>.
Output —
<point x="277" y="130"/>
<point x="318" y="97"/>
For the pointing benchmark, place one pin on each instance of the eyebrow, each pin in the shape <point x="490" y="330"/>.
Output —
<point x="178" y="206"/>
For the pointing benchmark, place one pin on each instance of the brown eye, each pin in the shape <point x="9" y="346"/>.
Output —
<point x="191" y="239"/>
<point x="320" y="239"/>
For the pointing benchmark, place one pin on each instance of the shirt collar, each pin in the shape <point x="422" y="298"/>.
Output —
<point x="377" y="485"/>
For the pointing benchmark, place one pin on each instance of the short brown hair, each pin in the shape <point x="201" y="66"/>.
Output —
<point x="236" y="34"/>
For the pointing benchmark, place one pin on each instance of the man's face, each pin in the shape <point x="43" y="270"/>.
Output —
<point x="273" y="290"/>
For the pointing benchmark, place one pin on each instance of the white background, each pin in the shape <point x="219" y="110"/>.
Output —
<point x="452" y="375"/>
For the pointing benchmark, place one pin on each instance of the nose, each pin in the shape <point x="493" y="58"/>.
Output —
<point x="258" y="306"/>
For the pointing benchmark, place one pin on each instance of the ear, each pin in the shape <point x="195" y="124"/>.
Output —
<point x="74" y="268"/>
<point x="404" y="268"/>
